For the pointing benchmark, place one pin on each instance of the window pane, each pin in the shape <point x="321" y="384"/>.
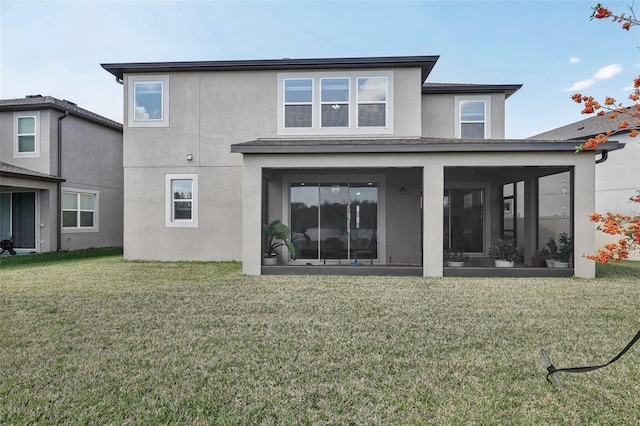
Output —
<point x="26" y="144"/>
<point x="87" y="201"/>
<point x="298" y="90"/>
<point x="26" y="125"/>
<point x="148" y="100"/>
<point x="182" y="210"/>
<point x="182" y="189"/>
<point x="372" y="89"/>
<point x="69" y="219"/>
<point x="472" y="130"/>
<point x="335" y="115"/>
<point x="371" y="115"/>
<point x="335" y="89"/>
<point x="69" y="201"/>
<point x="86" y="219"/>
<point x="472" y="111"/>
<point x="297" y="116"/>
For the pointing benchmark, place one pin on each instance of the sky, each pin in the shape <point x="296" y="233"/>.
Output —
<point x="551" y="47"/>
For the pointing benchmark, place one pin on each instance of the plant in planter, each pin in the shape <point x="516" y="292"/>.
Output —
<point x="455" y="257"/>
<point x="277" y="234"/>
<point x="560" y="254"/>
<point x="538" y="259"/>
<point x="506" y="253"/>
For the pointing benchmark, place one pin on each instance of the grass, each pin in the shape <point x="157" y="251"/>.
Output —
<point x="95" y="340"/>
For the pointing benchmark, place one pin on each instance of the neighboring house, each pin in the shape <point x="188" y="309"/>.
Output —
<point x="61" y="176"/>
<point x="617" y="173"/>
<point x="362" y="157"/>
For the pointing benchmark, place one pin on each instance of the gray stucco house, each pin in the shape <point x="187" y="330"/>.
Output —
<point x="362" y="157"/>
<point x="61" y="176"/>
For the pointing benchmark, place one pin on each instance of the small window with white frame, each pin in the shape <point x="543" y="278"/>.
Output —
<point x="181" y="208"/>
<point x="472" y="117"/>
<point x="79" y="210"/>
<point x="26" y="135"/>
<point x="334" y="94"/>
<point x="372" y="101"/>
<point x="148" y="101"/>
<point x="298" y="102"/>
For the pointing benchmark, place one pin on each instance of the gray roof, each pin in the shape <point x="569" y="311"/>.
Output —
<point x="584" y="129"/>
<point x="9" y="170"/>
<point x="406" y="145"/>
<point x="467" y="88"/>
<point x="286" y="64"/>
<point x="39" y="102"/>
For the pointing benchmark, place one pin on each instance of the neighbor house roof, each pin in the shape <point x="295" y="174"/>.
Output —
<point x="466" y="88"/>
<point x="426" y="63"/>
<point x="9" y="170"/>
<point x="586" y="128"/>
<point x="406" y="145"/>
<point x="39" y="102"/>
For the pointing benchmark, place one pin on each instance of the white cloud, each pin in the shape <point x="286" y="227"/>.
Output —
<point x="607" y="72"/>
<point x="574" y="60"/>
<point x="580" y="85"/>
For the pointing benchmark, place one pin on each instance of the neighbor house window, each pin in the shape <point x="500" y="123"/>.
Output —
<point x="26" y="138"/>
<point x="181" y="200"/>
<point x="298" y="102"/>
<point x="148" y="101"/>
<point x="372" y="102"/>
<point x="79" y="210"/>
<point x="324" y="103"/>
<point x="334" y="93"/>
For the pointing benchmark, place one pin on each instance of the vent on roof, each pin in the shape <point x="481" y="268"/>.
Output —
<point x="69" y="102"/>
<point x="33" y="96"/>
<point x="581" y="128"/>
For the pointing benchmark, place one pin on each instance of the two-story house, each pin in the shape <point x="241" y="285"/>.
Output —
<point x="61" y="176"/>
<point x="362" y="157"/>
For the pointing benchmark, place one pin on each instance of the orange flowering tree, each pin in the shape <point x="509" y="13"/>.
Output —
<point x="625" y="226"/>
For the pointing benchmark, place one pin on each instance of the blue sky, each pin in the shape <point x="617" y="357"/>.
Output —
<point x="551" y="47"/>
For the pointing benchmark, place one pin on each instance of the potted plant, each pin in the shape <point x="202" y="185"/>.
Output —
<point x="455" y="258"/>
<point x="538" y="259"/>
<point x="560" y="254"/>
<point x="277" y="234"/>
<point x="506" y="253"/>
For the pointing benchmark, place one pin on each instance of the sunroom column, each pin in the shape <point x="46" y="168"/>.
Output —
<point x="433" y="192"/>
<point x="530" y="237"/>
<point x="584" y="202"/>
<point x="252" y="217"/>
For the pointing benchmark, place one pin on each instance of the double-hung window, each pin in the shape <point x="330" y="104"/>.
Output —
<point x="298" y="102"/>
<point x="79" y="210"/>
<point x="472" y="117"/>
<point x="148" y="101"/>
<point x="334" y="93"/>
<point x="26" y="138"/>
<point x="372" y="102"/>
<point x="181" y="200"/>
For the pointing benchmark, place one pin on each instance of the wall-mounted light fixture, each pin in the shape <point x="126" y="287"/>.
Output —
<point x="189" y="157"/>
<point x="403" y="191"/>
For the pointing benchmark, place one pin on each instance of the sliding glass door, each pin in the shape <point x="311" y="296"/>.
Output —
<point x="18" y="218"/>
<point x="334" y="220"/>
<point x="464" y="220"/>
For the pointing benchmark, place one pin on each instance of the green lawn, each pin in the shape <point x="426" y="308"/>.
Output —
<point x="94" y="339"/>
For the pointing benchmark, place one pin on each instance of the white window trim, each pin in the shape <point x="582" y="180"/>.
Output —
<point x="348" y="102"/>
<point x="459" y="100"/>
<point x="36" y="153"/>
<point x="353" y="129"/>
<point x="96" y="209"/>
<point x="169" y="222"/>
<point x="131" y="121"/>
<point x="358" y="103"/>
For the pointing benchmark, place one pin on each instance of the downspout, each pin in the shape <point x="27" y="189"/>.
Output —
<point x="603" y="158"/>
<point x="59" y="197"/>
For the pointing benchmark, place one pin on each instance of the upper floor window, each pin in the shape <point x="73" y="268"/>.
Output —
<point x="79" y="209"/>
<point x="335" y="103"/>
<point x="26" y="135"/>
<point x="148" y="101"/>
<point x="181" y="200"/>
<point x="472" y="117"/>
